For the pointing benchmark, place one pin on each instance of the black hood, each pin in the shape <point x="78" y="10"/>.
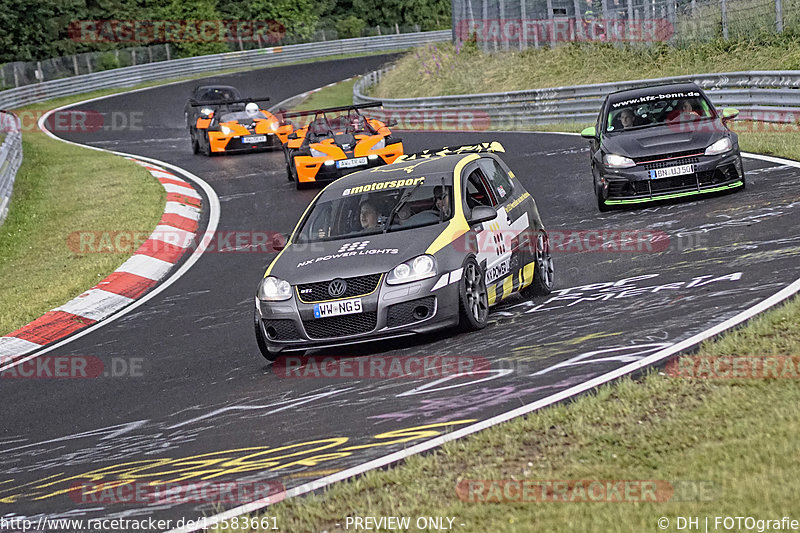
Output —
<point x="370" y="254"/>
<point x="663" y="140"/>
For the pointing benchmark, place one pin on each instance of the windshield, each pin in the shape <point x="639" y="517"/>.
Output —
<point x="657" y="109"/>
<point x="208" y="94"/>
<point x="353" y="215"/>
<point x="339" y="122"/>
<point x="241" y="115"/>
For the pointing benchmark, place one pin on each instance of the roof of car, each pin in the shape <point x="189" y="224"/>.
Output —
<point x="663" y="88"/>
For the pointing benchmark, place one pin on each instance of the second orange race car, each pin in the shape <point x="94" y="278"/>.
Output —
<point x="233" y="125"/>
<point x="337" y="141"/>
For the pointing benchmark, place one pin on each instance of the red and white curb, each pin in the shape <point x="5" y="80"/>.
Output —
<point x="171" y="239"/>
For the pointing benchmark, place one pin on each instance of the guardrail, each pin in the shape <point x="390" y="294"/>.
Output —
<point x="129" y="76"/>
<point x="771" y="96"/>
<point x="10" y="158"/>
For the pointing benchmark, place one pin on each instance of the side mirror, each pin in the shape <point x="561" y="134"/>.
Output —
<point x="589" y="133"/>
<point x="481" y="214"/>
<point x="730" y="113"/>
<point x="279" y="241"/>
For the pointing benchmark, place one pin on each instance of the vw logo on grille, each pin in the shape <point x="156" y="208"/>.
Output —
<point x="337" y="288"/>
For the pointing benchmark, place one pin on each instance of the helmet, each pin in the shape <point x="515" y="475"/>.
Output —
<point x="251" y="109"/>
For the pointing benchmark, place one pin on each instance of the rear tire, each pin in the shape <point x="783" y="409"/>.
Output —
<point x="473" y="298"/>
<point x="543" y="271"/>
<point x="262" y="343"/>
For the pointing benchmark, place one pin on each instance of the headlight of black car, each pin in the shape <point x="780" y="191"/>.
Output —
<point x="720" y="147"/>
<point x="272" y="289"/>
<point x="421" y="267"/>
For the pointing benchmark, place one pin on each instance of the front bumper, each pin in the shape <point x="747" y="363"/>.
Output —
<point x="323" y="169"/>
<point x="229" y="144"/>
<point x="634" y="185"/>
<point x="389" y="311"/>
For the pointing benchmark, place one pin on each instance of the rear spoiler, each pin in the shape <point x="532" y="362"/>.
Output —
<point x="480" y="148"/>
<point x="195" y="103"/>
<point x="331" y="109"/>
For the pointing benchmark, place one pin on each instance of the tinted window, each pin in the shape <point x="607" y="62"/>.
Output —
<point x="657" y="109"/>
<point x="477" y="190"/>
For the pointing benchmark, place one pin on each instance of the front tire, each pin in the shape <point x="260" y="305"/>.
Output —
<point x="543" y="271"/>
<point x="473" y="298"/>
<point x="598" y="191"/>
<point x="206" y="145"/>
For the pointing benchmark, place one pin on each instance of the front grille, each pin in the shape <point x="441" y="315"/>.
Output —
<point x="341" y="326"/>
<point x="281" y="330"/>
<point x="687" y="182"/>
<point x="671" y="163"/>
<point x="357" y="286"/>
<point x="673" y="155"/>
<point x="403" y="313"/>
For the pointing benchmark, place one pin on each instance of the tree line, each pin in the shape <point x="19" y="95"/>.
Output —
<point x="40" y="29"/>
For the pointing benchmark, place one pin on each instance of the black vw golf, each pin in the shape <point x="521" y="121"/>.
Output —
<point x="430" y="241"/>
<point x="662" y="142"/>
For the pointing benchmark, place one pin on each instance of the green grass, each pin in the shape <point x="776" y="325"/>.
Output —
<point x="736" y="437"/>
<point x="61" y="189"/>
<point x="339" y="94"/>
<point x="440" y="70"/>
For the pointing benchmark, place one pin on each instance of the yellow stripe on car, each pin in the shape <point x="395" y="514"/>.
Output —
<point x="458" y="225"/>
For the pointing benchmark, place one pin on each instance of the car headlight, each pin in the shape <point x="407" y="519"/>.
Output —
<point x="225" y="129"/>
<point x="618" y="161"/>
<point x="380" y="144"/>
<point x="273" y="125"/>
<point x="206" y="111"/>
<point x="317" y="153"/>
<point x="720" y="147"/>
<point x="272" y="289"/>
<point x="421" y="267"/>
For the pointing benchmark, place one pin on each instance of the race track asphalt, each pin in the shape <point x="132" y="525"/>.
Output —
<point x="203" y="404"/>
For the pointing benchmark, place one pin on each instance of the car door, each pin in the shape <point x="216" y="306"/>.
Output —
<point x="494" y="238"/>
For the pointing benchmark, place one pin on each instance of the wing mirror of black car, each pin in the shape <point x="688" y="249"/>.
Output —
<point x="279" y="241"/>
<point x="481" y="214"/>
<point x="730" y="113"/>
<point x="589" y="133"/>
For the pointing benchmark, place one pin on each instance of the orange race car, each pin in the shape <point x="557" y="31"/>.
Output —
<point x="337" y="141"/>
<point x="233" y="125"/>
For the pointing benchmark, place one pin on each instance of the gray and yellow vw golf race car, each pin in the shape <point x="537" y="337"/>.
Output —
<point x="430" y="241"/>
<point x="660" y="143"/>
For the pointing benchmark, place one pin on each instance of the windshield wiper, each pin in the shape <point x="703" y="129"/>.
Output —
<point x="403" y="200"/>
